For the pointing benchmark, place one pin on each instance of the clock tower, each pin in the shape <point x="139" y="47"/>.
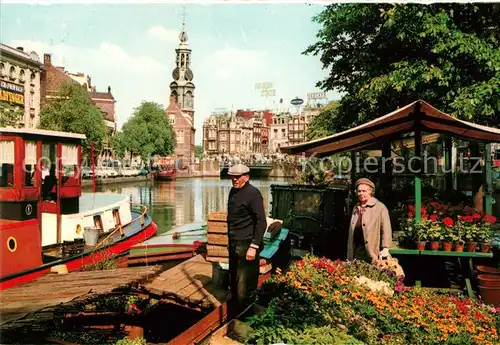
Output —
<point x="182" y="87"/>
<point x="180" y="111"/>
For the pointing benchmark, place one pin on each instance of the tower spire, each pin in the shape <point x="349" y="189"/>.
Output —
<point x="183" y="37"/>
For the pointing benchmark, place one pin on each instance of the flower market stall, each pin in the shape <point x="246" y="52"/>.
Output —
<point x="319" y="301"/>
<point x="427" y="227"/>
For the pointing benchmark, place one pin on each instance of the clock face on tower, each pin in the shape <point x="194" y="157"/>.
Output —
<point x="175" y="73"/>
<point x="188" y="75"/>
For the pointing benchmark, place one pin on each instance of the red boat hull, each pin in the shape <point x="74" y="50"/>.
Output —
<point x="75" y="263"/>
<point x="166" y="175"/>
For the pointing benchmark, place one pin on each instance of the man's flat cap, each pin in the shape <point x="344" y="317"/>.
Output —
<point x="238" y="169"/>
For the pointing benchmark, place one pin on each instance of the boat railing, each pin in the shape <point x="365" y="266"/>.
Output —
<point x="134" y="207"/>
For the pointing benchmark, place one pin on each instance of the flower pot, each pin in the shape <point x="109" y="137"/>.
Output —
<point x="471" y="246"/>
<point x="459" y="247"/>
<point x="488" y="270"/>
<point x="434" y="245"/>
<point x="485" y="247"/>
<point x="447" y="246"/>
<point x="490" y="295"/>
<point x="421" y="245"/>
<point x="489" y="280"/>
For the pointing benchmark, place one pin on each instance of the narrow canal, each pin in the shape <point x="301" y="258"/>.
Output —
<point x="174" y="203"/>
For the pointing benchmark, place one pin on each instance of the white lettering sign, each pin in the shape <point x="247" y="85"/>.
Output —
<point x="316" y="95"/>
<point x="261" y="86"/>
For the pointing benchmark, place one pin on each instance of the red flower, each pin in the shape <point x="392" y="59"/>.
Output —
<point x="489" y="219"/>
<point x="448" y="222"/>
<point x="422" y="209"/>
<point x="468" y="219"/>
<point x="411" y="208"/>
<point x="411" y="215"/>
<point x="434" y="218"/>
<point x="476" y="216"/>
<point x="424" y="215"/>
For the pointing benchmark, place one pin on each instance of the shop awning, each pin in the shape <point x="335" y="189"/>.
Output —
<point x="419" y="114"/>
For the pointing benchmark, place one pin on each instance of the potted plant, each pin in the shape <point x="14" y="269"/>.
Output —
<point x="447" y="233"/>
<point x="485" y="232"/>
<point x="469" y="228"/>
<point x="434" y="234"/>
<point x="420" y="233"/>
<point x="458" y="234"/>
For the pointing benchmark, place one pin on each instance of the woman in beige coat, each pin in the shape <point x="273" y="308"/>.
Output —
<point x="370" y="232"/>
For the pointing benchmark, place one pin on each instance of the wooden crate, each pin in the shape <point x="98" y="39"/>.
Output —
<point x="217" y="239"/>
<point x="218" y="216"/>
<point x="221" y="251"/>
<point x="217" y="227"/>
<point x="217" y="259"/>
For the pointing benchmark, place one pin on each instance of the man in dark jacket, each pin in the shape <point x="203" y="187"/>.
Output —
<point x="247" y="224"/>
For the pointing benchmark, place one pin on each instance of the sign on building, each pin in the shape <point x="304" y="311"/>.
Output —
<point x="316" y="95"/>
<point x="11" y="93"/>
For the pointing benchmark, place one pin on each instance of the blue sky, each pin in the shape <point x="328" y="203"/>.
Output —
<point x="131" y="47"/>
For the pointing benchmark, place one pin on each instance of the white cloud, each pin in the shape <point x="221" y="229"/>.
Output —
<point x="133" y="78"/>
<point x="229" y="62"/>
<point x="163" y="34"/>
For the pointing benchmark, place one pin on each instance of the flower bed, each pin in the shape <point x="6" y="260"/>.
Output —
<point x="361" y="305"/>
<point x="449" y="227"/>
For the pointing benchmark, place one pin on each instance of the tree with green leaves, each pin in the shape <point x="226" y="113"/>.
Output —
<point x="324" y="123"/>
<point x="10" y="115"/>
<point x="384" y="56"/>
<point x="198" y="151"/>
<point x="73" y="111"/>
<point x="148" y="132"/>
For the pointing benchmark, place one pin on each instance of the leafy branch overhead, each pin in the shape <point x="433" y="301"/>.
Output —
<point x="383" y="56"/>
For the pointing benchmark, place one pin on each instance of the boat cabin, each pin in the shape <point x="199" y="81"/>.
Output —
<point x="40" y="181"/>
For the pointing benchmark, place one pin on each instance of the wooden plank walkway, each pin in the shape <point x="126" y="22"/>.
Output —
<point x="52" y="290"/>
<point x="190" y="283"/>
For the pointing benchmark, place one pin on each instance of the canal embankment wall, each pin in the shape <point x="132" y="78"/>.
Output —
<point x="202" y="169"/>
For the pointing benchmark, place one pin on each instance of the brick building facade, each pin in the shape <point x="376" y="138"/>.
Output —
<point x="52" y="77"/>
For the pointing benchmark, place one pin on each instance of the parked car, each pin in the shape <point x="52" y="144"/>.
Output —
<point x="87" y="172"/>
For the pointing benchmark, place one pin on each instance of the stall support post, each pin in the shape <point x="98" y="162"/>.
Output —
<point x="387" y="172"/>
<point x="448" y="164"/>
<point x="418" y="175"/>
<point x="487" y="171"/>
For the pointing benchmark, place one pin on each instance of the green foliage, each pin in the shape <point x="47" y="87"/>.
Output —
<point x="135" y="341"/>
<point x="198" y="151"/>
<point x="384" y="56"/>
<point x="10" y="115"/>
<point x="73" y="111"/>
<point x="148" y="132"/>
<point x="324" y="123"/>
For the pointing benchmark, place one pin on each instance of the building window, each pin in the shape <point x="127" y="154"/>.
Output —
<point x="6" y="163"/>
<point x="180" y="137"/>
<point x="32" y="79"/>
<point x="32" y="97"/>
<point x="2" y="69"/>
<point x="12" y="73"/>
<point x="21" y="76"/>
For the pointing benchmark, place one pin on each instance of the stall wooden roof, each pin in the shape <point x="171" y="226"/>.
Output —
<point x="418" y="114"/>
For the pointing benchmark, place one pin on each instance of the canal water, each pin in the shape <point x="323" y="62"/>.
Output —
<point x="174" y="203"/>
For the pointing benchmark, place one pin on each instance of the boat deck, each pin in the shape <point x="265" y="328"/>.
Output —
<point x="90" y="202"/>
<point x="25" y="303"/>
<point x="189" y="283"/>
<point x="53" y="253"/>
